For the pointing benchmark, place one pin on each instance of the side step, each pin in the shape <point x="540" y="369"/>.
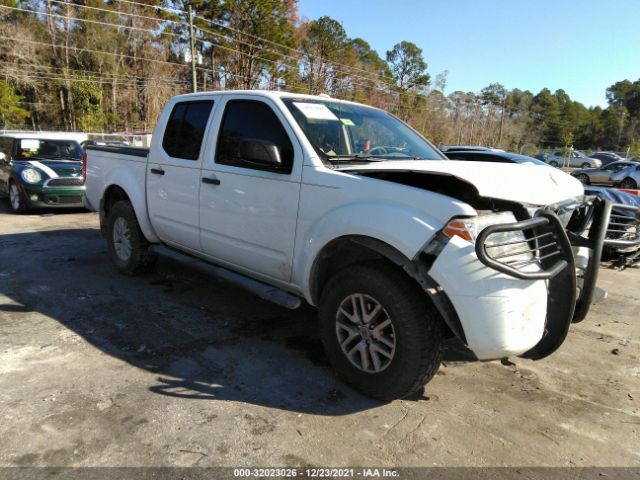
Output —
<point x="262" y="290"/>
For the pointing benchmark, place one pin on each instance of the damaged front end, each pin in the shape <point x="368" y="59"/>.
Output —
<point x="565" y="241"/>
<point x="511" y="280"/>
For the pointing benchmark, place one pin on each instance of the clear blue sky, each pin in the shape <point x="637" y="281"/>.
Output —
<point x="582" y="46"/>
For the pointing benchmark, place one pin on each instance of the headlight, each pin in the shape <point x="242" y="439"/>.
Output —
<point x="507" y="245"/>
<point x="31" y="175"/>
<point x="470" y="228"/>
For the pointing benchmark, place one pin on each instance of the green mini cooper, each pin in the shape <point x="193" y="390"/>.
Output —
<point x="39" y="172"/>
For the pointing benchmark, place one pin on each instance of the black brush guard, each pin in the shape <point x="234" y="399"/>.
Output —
<point x="549" y="247"/>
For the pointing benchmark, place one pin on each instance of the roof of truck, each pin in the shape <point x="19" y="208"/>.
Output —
<point x="274" y="94"/>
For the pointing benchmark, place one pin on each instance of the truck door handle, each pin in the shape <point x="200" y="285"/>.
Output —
<point x="211" y="181"/>
<point x="157" y="171"/>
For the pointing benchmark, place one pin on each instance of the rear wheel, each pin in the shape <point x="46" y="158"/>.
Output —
<point x="379" y="331"/>
<point x="129" y="249"/>
<point x="629" y="183"/>
<point x="16" y="199"/>
<point x="584" y="178"/>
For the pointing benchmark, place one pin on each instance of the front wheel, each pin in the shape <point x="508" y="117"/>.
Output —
<point x="629" y="184"/>
<point x="16" y="199"/>
<point x="379" y="330"/>
<point x="129" y="249"/>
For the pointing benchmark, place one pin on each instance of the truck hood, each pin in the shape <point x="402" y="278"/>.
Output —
<point x="529" y="184"/>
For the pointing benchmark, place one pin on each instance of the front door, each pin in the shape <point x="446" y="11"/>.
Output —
<point x="173" y="174"/>
<point x="249" y="200"/>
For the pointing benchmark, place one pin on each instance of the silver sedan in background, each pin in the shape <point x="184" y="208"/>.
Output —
<point x="574" y="158"/>
<point x="602" y="175"/>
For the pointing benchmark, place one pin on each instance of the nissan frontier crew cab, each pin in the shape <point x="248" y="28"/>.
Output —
<point x="350" y="209"/>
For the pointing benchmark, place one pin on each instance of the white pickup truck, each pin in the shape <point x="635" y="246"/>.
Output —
<point x="346" y="207"/>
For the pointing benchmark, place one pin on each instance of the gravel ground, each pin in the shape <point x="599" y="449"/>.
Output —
<point x="180" y="369"/>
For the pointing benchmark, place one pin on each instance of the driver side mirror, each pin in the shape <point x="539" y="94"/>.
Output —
<point x="261" y="152"/>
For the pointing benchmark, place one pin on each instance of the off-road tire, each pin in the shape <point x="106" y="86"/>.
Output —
<point x="419" y="330"/>
<point x="23" y="203"/>
<point x="629" y="184"/>
<point x="142" y="259"/>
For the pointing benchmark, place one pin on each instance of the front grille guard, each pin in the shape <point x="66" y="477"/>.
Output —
<point x="589" y="228"/>
<point x="544" y="241"/>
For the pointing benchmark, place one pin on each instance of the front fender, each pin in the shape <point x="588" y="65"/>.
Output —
<point x="403" y="228"/>
<point x="134" y="187"/>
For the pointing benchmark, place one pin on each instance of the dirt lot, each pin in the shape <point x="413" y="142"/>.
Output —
<point x="181" y="369"/>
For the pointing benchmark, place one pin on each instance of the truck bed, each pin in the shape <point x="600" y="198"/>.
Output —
<point x="133" y="151"/>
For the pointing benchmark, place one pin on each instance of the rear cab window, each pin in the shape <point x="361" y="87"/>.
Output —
<point x="185" y="129"/>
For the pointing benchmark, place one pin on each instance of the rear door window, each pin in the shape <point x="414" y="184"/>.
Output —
<point x="185" y="129"/>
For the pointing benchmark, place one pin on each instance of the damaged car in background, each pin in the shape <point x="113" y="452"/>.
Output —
<point x="301" y="197"/>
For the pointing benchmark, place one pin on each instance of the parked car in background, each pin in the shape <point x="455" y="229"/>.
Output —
<point x="627" y="178"/>
<point x="602" y="175"/>
<point x="105" y="143"/>
<point x="397" y="246"/>
<point x="574" y="158"/>
<point x="494" y="157"/>
<point x="41" y="170"/>
<point x="464" y="148"/>
<point x="624" y="225"/>
<point x="607" y="157"/>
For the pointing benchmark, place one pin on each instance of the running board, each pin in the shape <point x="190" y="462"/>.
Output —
<point x="262" y="290"/>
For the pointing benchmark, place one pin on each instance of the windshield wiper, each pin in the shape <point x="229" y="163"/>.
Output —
<point x="353" y="158"/>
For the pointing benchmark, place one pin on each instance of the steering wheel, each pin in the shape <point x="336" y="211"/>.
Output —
<point x="378" y="151"/>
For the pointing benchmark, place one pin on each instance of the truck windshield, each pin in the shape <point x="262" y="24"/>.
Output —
<point x="347" y="132"/>
<point x="48" y="149"/>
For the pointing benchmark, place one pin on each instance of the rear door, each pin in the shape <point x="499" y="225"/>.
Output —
<point x="248" y="210"/>
<point x="173" y="174"/>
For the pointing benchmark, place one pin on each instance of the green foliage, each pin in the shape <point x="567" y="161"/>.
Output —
<point x="87" y="103"/>
<point x="408" y="66"/>
<point x="120" y="78"/>
<point x="11" y="112"/>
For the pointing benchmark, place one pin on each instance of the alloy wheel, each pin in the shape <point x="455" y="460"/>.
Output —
<point x="122" y="239"/>
<point x="365" y="333"/>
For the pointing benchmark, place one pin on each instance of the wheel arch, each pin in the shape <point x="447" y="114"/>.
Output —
<point x="116" y="192"/>
<point x="351" y="249"/>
